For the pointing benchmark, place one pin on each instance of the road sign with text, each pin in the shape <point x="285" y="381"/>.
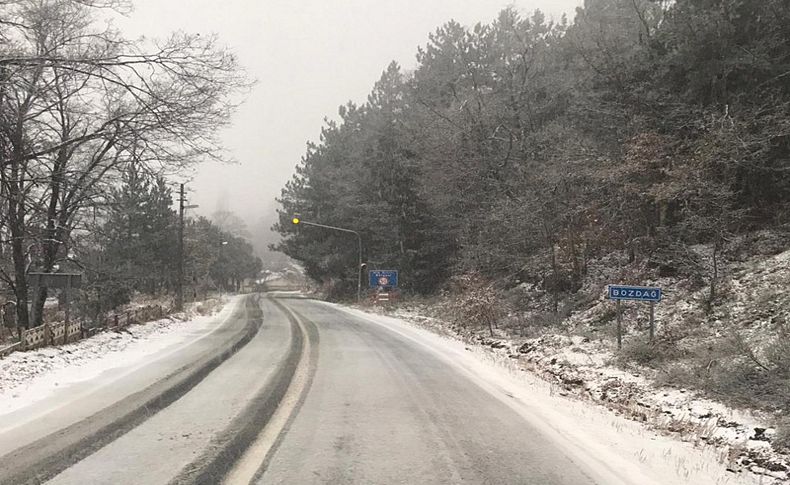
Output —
<point x="636" y="293"/>
<point x="383" y="278"/>
<point x="55" y="280"/>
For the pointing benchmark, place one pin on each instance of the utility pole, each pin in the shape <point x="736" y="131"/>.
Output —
<point x="180" y="282"/>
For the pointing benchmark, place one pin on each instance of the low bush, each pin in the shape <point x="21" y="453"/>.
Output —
<point x="477" y="303"/>
<point x="781" y="441"/>
<point x="650" y="354"/>
<point x="732" y="371"/>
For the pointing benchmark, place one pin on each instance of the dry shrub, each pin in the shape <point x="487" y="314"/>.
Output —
<point x="546" y="319"/>
<point x="477" y="302"/>
<point x="777" y="353"/>
<point x="781" y="441"/>
<point x="647" y="353"/>
<point x="665" y="347"/>
<point x="735" y="372"/>
<point x="207" y="307"/>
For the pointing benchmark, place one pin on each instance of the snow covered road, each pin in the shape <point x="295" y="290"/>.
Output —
<point x="322" y="394"/>
<point x="391" y="403"/>
<point x="71" y="422"/>
<point x="54" y="374"/>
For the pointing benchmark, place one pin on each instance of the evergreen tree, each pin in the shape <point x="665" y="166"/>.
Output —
<point x="140" y="247"/>
<point x="522" y="148"/>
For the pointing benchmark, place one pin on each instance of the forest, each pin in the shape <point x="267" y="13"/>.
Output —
<point x="522" y="150"/>
<point x="521" y="166"/>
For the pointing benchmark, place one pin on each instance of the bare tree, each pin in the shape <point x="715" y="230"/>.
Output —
<point x="80" y="102"/>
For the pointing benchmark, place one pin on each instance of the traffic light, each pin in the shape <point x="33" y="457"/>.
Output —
<point x="363" y="267"/>
<point x="295" y="220"/>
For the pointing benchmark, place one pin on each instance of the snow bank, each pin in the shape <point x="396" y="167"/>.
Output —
<point x="576" y="356"/>
<point x="28" y="377"/>
<point x="617" y="446"/>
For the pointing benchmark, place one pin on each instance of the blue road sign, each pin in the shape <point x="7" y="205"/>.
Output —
<point x="638" y="293"/>
<point x="383" y="278"/>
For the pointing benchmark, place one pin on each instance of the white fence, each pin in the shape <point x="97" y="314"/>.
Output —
<point x="60" y="333"/>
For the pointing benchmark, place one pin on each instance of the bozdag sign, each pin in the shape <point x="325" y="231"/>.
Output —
<point x="648" y="294"/>
<point x="636" y="293"/>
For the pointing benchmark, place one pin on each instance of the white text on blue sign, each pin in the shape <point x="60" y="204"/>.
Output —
<point x="637" y="293"/>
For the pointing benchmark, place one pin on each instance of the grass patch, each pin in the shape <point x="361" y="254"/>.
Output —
<point x="732" y="371"/>
<point x="649" y="354"/>
<point x="781" y="441"/>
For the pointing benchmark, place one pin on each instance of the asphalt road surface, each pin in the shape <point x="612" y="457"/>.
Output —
<point x="290" y="391"/>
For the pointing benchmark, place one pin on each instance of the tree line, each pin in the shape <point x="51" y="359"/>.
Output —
<point x="92" y="124"/>
<point x="134" y="248"/>
<point x="523" y="149"/>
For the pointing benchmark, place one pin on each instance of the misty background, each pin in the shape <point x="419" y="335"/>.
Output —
<point x="309" y="57"/>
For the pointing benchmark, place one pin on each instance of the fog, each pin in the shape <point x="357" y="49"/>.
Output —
<point x="309" y="57"/>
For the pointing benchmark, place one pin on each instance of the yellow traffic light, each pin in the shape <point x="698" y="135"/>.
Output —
<point x="295" y="220"/>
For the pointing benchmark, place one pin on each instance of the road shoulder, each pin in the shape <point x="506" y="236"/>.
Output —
<point x="618" y="450"/>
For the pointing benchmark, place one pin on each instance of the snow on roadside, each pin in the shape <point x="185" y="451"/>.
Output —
<point x="736" y="443"/>
<point x="582" y="369"/>
<point x="28" y="377"/>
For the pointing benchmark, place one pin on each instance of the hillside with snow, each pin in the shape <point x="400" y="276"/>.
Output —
<point x="715" y="375"/>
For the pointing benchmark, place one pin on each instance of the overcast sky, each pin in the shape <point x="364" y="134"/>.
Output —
<point x="309" y="57"/>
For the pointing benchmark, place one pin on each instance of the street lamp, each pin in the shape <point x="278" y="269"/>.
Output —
<point x="296" y="221"/>
<point x="221" y="282"/>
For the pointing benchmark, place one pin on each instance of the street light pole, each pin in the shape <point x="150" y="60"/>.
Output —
<point x="222" y="281"/>
<point x="180" y="283"/>
<point x="298" y="221"/>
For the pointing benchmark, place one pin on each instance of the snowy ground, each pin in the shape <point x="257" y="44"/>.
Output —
<point x="618" y="449"/>
<point x="577" y="358"/>
<point x="574" y="368"/>
<point x="28" y="377"/>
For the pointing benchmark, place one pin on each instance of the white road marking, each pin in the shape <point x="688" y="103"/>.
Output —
<point x="245" y="468"/>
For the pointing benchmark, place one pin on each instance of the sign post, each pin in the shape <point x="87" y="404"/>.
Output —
<point x="652" y="320"/>
<point x="648" y="294"/>
<point x="619" y="326"/>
